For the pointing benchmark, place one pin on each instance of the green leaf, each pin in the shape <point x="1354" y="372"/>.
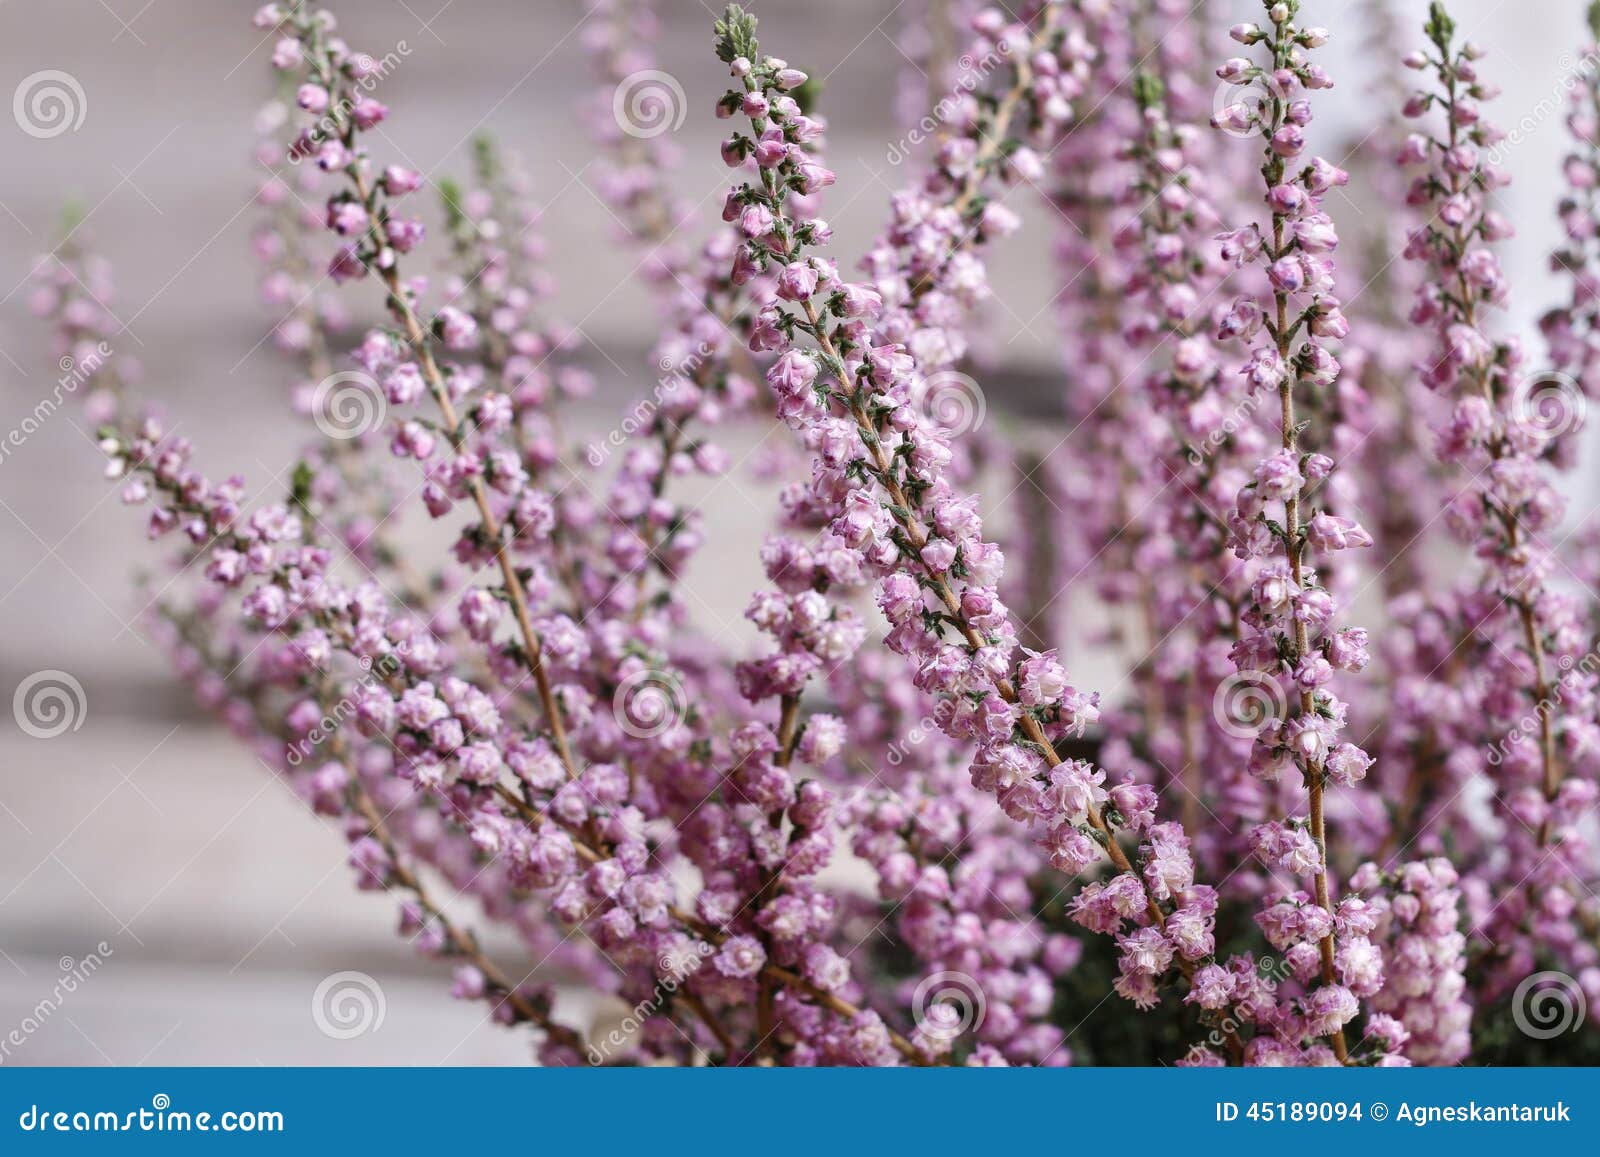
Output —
<point x="1441" y="29"/>
<point x="450" y="199"/>
<point x="1149" y="91"/>
<point x="736" y="35"/>
<point x="485" y="158"/>
<point x="300" y="484"/>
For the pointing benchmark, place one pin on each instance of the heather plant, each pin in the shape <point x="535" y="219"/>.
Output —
<point x="1310" y="827"/>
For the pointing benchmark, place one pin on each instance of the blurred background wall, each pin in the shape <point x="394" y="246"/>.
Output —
<point x="220" y="902"/>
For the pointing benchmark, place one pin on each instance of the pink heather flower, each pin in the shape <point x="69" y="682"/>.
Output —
<point x="1278" y="476"/>
<point x="1330" y="532"/>
<point x="1348" y="764"/>
<point x="1211" y="987"/>
<point x="858" y="301"/>
<point x="455" y="328"/>
<point x="346" y="265"/>
<point x="347" y="218"/>
<point x="399" y="180"/>
<point x="1329" y="1009"/>
<point x="826" y="968"/>
<point x="368" y="113"/>
<point x="405" y="234"/>
<point x="755" y="220"/>
<point x="1044" y="679"/>
<point x="740" y="957"/>
<point x="797" y="282"/>
<point x="1070" y="850"/>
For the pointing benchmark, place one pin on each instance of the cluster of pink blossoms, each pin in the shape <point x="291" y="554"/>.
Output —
<point x="1291" y="643"/>
<point x="534" y="722"/>
<point x="1532" y="717"/>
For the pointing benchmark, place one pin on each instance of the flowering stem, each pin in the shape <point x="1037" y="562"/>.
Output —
<point x="1498" y="447"/>
<point x="1467" y="178"/>
<point x="781" y="975"/>
<point x="416" y="337"/>
<point x="398" y="874"/>
<point x="917" y="537"/>
<point x="1283" y="333"/>
<point x="462" y="941"/>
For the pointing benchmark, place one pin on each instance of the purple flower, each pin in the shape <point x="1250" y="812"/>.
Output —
<point x="740" y="957"/>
